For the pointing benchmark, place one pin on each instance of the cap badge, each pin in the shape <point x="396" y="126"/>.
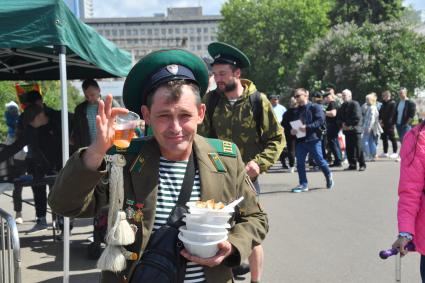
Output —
<point x="173" y="69"/>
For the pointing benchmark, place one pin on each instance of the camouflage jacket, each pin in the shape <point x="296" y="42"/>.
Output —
<point x="236" y="124"/>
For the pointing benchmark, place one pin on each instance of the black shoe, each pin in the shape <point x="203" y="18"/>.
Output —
<point x="336" y="165"/>
<point x="240" y="270"/>
<point x="350" y="168"/>
<point x="362" y="168"/>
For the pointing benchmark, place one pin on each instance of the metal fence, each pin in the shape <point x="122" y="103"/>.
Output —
<point x="10" y="251"/>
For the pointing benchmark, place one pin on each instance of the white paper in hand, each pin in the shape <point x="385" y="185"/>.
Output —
<point x="297" y="124"/>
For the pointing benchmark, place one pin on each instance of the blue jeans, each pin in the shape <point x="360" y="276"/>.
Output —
<point x="369" y="141"/>
<point x="314" y="148"/>
<point x="402" y="130"/>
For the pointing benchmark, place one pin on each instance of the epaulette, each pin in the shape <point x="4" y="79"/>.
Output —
<point x="223" y="148"/>
<point x="134" y="148"/>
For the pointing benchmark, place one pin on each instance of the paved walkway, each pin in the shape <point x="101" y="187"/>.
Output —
<point x="323" y="235"/>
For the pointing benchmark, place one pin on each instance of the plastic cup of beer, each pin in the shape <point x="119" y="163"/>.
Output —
<point x="124" y="129"/>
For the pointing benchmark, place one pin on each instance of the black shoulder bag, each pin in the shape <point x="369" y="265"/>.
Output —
<point x="161" y="261"/>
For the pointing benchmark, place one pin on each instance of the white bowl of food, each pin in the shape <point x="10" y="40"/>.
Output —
<point x="201" y="249"/>
<point x="208" y="228"/>
<point x="207" y="218"/>
<point x="202" y="236"/>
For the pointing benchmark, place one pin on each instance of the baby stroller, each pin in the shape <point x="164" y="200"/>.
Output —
<point x="100" y="225"/>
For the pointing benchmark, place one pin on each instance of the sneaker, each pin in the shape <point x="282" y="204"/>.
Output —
<point x="394" y="156"/>
<point x="329" y="182"/>
<point x="300" y="189"/>
<point x="241" y="269"/>
<point x="384" y="155"/>
<point x="291" y="170"/>
<point x="18" y="218"/>
<point x="40" y="226"/>
<point x="362" y="168"/>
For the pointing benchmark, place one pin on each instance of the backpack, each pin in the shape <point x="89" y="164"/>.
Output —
<point x="161" y="261"/>
<point x="256" y="106"/>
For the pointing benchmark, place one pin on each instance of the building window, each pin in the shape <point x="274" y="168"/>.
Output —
<point x="177" y="31"/>
<point x="135" y="32"/>
<point x="107" y="33"/>
<point x="205" y="30"/>
<point x="192" y="30"/>
<point x="199" y="30"/>
<point x="198" y="47"/>
<point x="163" y="31"/>
<point x="149" y="31"/>
<point x="205" y="38"/>
<point x="184" y="30"/>
<point x="212" y="38"/>
<point x="121" y="31"/>
<point x="142" y="32"/>
<point x="128" y="32"/>
<point x="156" y="31"/>
<point x="198" y="38"/>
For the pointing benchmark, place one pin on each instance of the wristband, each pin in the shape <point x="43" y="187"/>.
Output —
<point x="406" y="235"/>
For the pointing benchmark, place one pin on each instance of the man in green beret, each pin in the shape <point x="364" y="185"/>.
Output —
<point x="238" y="112"/>
<point x="166" y="87"/>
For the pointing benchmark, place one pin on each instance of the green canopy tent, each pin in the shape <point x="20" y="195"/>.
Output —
<point x="43" y="40"/>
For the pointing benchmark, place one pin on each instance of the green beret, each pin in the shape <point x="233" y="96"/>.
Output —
<point x="223" y="53"/>
<point x="160" y="67"/>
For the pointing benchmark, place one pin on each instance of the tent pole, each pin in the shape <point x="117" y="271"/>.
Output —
<point x="65" y="151"/>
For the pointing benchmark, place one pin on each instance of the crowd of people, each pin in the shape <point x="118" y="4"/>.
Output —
<point x="226" y="137"/>
<point x="347" y="131"/>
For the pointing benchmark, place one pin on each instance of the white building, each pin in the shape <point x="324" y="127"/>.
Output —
<point x="81" y="8"/>
<point x="185" y="28"/>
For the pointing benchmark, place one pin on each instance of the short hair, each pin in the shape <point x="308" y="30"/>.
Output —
<point x="32" y="97"/>
<point x="175" y="88"/>
<point x="300" y="90"/>
<point x="372" y="98"/>
<point x="403" y="89"/>
<point x="386" y="92"/>
<point x="347" y="92"/>
<point x="88" y="83"/>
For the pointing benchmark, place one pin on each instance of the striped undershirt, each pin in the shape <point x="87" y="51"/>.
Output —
<point x="171" y="174"/>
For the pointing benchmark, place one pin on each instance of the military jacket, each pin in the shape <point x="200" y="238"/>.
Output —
<point x="81" y="192"/>
<point x="236" y="124"/>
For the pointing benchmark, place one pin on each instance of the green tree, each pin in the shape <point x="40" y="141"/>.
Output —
<point x="361" y="11"/>
<point x="51" y="96"/>
<point x="274" y="34"/>
<point x="371" y="58"/>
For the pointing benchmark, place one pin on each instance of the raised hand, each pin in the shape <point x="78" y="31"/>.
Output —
<point x="105" y="131"/>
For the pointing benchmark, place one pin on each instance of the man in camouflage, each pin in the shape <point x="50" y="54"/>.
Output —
<point x="232" y="119"/>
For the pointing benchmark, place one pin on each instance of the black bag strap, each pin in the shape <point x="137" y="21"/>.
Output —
<point x="188" y="180"/>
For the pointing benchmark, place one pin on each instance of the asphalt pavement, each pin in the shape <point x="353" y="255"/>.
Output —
<point x="321" y="235"/>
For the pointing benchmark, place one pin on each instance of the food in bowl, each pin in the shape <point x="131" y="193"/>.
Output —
<point x="209" y="204"/>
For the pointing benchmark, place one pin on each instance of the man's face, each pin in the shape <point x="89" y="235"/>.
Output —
<point x="39" y="120"/>
<point x="274" y="101"/>
<point x="301" y="97"/>
<point x="346" y="97"/>
<point x="402" y="94"/>
<point x="386" y="96"/>
<point x="92" y="94"/>
<point x="174" y="124"/>
<point x="225" y="77"/>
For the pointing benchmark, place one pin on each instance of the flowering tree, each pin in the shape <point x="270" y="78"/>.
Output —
<point x="371" y="58"/>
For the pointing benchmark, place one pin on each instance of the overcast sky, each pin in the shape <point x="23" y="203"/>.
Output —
<point x="138" y="8"/>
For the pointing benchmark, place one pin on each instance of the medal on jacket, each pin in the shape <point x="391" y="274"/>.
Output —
<point x="129" y="211"/>
<point x="138" y="215"/>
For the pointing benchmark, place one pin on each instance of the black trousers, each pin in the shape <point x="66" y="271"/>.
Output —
<point x="354" y="149"/>
<point x="423" y="268"/>
<point x="289" y="151"/>
<point x="389" y="134"/>
<point x="40" y="200"/>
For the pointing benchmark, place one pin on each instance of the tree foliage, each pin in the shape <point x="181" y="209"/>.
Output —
<point x="274" y="34"/>
<point x="51" y="96"/>
<point x="366" y="59"/>
<point x="361" y="11"/>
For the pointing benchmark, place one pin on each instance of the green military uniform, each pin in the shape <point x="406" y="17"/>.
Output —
<point x="236" y="123"/>
<point x="82" y="192"/>
<point x="79" y="192"/>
